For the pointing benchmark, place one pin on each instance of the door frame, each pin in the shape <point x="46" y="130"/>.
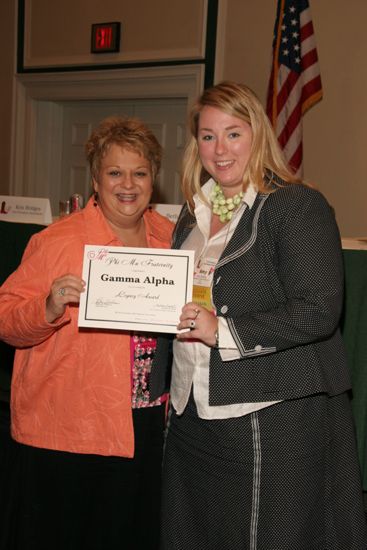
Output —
<point x="37" y="120"/>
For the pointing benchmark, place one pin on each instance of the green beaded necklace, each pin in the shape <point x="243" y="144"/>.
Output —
<point x="223" y="207"/>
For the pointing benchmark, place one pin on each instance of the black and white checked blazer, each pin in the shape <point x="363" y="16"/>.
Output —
<point x="279" y="284"/>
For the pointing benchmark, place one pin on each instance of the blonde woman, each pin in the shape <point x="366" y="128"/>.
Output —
<point x="260" y="452"/>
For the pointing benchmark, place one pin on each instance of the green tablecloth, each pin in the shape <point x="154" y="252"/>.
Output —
<point x="354" y="329"/>
<point x="13" y="240"/>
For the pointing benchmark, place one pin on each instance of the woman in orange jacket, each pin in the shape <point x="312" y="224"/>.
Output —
<point x="90" y="438"/>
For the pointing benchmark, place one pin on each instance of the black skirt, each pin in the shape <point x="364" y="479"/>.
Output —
<point x="52" y="500"/>
<point x="283" y="478"/>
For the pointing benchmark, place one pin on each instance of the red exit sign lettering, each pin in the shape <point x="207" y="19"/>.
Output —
<point x="105" y="37"/>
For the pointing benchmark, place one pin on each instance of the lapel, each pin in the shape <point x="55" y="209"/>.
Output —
<point x="245" y="233"/>
<point x="242" y="239"/>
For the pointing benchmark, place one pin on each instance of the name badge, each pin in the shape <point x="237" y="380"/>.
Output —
<point x="203" y="278"/>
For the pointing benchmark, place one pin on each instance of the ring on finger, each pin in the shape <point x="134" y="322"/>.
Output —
<point x="61" y="291"/>
<point x="192" y="324"/>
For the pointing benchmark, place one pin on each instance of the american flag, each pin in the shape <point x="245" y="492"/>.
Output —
<point x="295" y="83"/>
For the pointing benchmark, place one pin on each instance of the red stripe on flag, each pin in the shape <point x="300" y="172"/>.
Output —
<point x="292" y="123"/>
<point x="269" y="104"/>
<point x="310" y="88"/>
<point x="309" y="59"/>
<point x="286" y="89"/>
<point x="296" y="160"/>
<point x="306" y="31"/>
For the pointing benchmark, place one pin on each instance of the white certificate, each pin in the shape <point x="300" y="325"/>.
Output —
<point x="140" y="289"/>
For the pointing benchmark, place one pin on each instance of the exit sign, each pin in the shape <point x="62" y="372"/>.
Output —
<point x="105" y="37"/>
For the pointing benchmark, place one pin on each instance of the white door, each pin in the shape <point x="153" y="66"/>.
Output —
<point x="166" y="118"/>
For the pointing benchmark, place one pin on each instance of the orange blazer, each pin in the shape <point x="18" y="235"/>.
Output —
<point x="71" y="387"/>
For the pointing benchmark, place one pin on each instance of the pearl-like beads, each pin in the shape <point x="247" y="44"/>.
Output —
<point x="223" y="207"/>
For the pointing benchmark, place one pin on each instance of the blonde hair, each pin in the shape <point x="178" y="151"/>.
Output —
<point x="266" y="158"/>
<point x="129" y="133"/>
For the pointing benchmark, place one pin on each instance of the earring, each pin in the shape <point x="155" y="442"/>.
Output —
<point x="95" y="196"/>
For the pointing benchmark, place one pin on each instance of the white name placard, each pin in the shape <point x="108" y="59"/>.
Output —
<point x="171" y="211"/>
<point x="25" y="210"/>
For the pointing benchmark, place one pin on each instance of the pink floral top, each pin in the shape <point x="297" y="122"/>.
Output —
<point x="142" y="354"/>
